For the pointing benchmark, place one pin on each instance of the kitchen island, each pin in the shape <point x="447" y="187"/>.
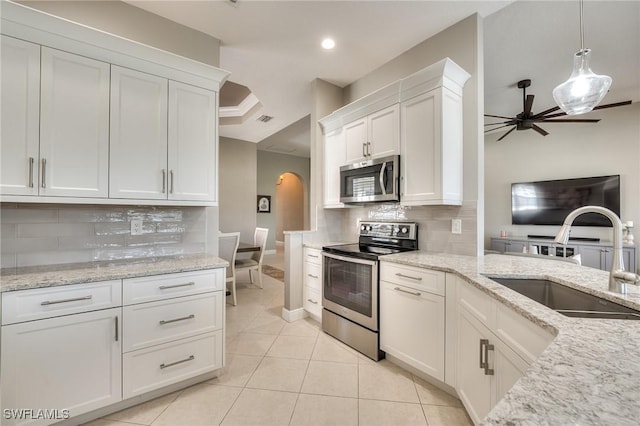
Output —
<point x="589" y="373"/>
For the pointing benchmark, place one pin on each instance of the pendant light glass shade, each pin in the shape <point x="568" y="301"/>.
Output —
<point x="584" y="89"/>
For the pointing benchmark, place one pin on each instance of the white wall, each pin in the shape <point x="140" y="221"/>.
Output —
<point x="609" y="147"/>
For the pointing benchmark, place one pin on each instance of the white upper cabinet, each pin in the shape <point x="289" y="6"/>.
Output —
<point x="74" y="125"/>
<point x="334" y="158"/>
<point x="20" y="74"/>
<point x="376" y="135"/>
<point x="192" y="143"/>
<point x="138" y="147"/>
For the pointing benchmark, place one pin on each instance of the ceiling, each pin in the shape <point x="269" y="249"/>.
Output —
<point x="273" y="48"/>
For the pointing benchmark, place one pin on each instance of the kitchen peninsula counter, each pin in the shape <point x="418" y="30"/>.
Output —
<point x="12" y="279"/>
<point x="589" y="373"/>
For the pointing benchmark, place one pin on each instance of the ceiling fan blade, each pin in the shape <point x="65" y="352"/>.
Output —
<point x="545" y="112"/>
<point x="617" y="104"/>
<point x="528" y="104"/>
<point x="496" y="128"/>
<point x="569" y="120"/>
<point x="498" y="116"/>
<point x="505" y="135"/>
<point x="509" y="122"/>
<point x="539" y="130"/>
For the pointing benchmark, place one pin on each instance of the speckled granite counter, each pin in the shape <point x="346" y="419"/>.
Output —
<point x="49" y="276"/>
<point x="589" y="374"/>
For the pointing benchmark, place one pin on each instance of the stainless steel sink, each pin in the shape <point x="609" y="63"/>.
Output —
<point x="566" y="300"/>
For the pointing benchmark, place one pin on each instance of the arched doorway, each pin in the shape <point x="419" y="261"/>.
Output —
<point x="289" y="204"/>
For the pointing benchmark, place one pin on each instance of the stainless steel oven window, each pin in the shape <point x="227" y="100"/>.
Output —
<point x="350" y="288"/>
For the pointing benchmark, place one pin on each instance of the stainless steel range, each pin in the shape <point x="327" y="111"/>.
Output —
<point x="351" y="285"/>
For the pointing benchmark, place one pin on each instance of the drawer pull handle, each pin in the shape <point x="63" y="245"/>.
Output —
<point x="163" y="322"/>
<point x="165" y="287"/>
<point x="312" y="301"/>
<point x="414" y="293"/>
<point x="408" y="276"/>
<point x="75" y="299"/>
<point x="313" y="255"/>
<point x="312" y="276"/>
<point x="171" y="364"/>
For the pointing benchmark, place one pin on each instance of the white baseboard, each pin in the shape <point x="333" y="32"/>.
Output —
<point x="295" y="315"/>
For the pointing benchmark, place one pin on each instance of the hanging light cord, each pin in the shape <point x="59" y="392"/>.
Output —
<point x="581" y="26"/>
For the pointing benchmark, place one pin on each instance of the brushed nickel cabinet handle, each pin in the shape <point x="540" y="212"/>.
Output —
<point x="312" y="276"/>
<point x="171" y="364"/>
<point x="165" y="287"/>
<point x="413" y="293"/>
<point x="364" y="152"/>
<point x="487" y="371"/>
<point x="31" y="161"/>
<point x="312" y="301"/>
<point x="75" y="299"/>
<point x="117" y="332"/>
<point x="163" y="322"/>
<point x="483" y="342"/>
<point x="44" y="173"/>
<point x="313" y="255"/>
<point x="171" y="183"/>
<point x="408" y="276"/>
<point x="368" y="149"/>
<point x="164" y="181"/>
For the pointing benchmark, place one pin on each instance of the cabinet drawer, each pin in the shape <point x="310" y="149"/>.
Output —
<point x="312" y="255"/>
<point x="480" y="305"/>
<point x="416" y="278"/>
<point x="312" y="301"/>
<point x="313" y="276"/>
<point x="153" y="323"/>
<point x="158" y="366"/>
<point x="526" y="338"/>
<point x="40" y="303"/>
<point x="158" y="287"/>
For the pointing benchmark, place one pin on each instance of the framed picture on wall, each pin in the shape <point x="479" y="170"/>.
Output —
<point x="264" y="203"/>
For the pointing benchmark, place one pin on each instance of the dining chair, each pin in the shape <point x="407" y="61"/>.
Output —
<point x="254" y="263"/>
<point x="227" y="249"/>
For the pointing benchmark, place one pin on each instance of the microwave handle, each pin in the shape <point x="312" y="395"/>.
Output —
<point x="383" y="171"/>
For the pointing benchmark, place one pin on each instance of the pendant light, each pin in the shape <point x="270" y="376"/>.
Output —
<point x="584" y="89"/>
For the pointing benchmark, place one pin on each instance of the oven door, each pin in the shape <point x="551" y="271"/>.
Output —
<point x="350" y="288"/>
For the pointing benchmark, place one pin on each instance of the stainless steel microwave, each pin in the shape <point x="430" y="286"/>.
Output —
<point x="371" y="181"/>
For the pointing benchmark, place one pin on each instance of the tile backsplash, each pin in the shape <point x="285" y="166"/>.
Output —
<point x="47" y="234"/>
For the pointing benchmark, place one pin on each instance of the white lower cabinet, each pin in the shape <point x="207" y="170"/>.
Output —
<point x="412" y="317"/>
<point x="312" y="288"/>
<point x="71" y="362"/>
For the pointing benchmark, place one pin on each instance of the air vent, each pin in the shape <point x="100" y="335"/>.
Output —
<point x="265" y="118"/>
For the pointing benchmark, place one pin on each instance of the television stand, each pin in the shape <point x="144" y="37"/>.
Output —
<point x="549" y="237"/>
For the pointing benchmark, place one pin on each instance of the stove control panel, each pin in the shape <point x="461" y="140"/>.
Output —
<point x="404" y="230"/>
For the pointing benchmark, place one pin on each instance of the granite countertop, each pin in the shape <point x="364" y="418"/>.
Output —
<point x="12" y="279"/>
<point x="589" y="374"/>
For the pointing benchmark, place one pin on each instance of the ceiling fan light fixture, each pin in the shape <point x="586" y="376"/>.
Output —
<point x="584" y="89"/>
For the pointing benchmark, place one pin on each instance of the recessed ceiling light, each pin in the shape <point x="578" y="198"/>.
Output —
<point x="328" y="43"/>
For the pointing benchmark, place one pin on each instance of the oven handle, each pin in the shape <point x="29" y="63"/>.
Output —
<point x="350" y="259"/>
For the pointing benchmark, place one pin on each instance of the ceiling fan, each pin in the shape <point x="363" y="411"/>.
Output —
<point x="526" y="120"/>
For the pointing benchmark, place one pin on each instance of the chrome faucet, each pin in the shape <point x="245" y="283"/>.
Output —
<point x="618" y="279"/>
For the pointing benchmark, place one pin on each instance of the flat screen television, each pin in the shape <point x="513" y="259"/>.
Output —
<point x="549" y="202"/>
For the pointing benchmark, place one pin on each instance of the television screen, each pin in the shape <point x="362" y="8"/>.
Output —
<point x="549" y="202"/>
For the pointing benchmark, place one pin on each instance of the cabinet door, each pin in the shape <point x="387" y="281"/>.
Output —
<point x="334" y="158"/>
<point x="499" y="245"/>
<point x="74" y="125"/>
<point x="71" y="362"/>
<point x="138" y="140"/>
<point x="412" y="327"/>
<point x="508" y="368"/>
<point x="19" y="144"/>
<point x="193" y="119"/>
<point x="355" y="136"/>
<point x="420" y="150"/>
<point x="383" y="132"/>
<point x="474" y="386"/>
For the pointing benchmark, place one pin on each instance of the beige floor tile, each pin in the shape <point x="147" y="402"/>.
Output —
<point x="146" y="412"/>
<point x="323" y="410"/>
<point x="329" y="349"/>
<point x="301" y="327"/>
<point x="261" y="407"/>
<point x="386" y="413"/>
<point x="332" y="379"/>
<point x="251" y="344"/>
<point x="431" y="395"/>
<point x="266" y="324"/>
<point x="199" y="405"/>
<point x="387" y="382"/>
<point x="446" y="416"/>
<point x="238" y="370"/>
<point x="279" y="374"/>
<point x="106" y="422"/>
<point x="298" y="347"/>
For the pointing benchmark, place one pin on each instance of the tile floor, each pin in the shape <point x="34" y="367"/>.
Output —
<point x="281" y="373"/>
